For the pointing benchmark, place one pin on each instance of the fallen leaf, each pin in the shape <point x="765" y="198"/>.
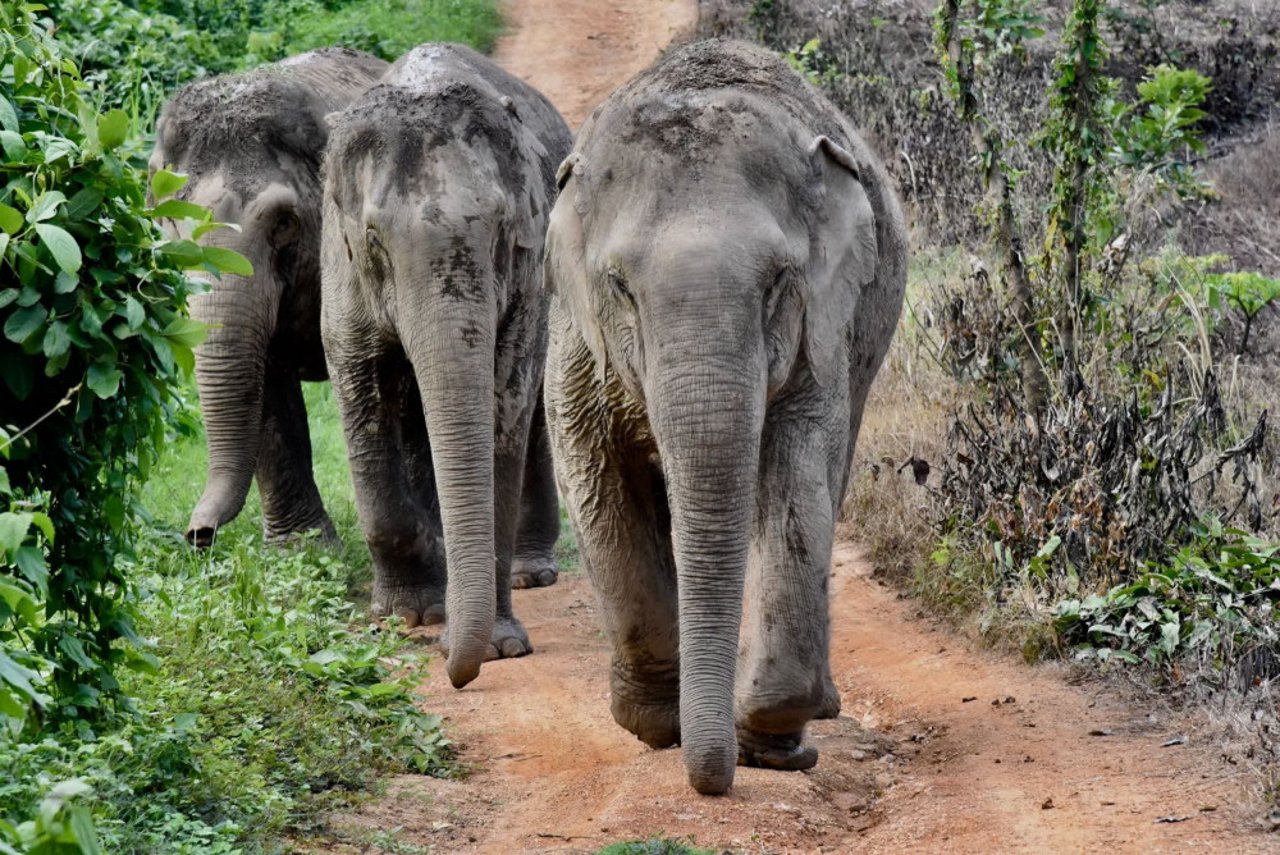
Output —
<point x="1173" y="818"/>
<point x="970" y="698"/>
<point x="1177" y="740"/>
<point x="1047" y="804"/>
<point x="1101" y="733"/>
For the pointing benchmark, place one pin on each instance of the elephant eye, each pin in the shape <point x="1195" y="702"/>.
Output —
<point x="618" y="284"/>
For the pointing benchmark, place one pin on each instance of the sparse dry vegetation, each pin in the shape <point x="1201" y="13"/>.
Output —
<point x="1131" y="517"/>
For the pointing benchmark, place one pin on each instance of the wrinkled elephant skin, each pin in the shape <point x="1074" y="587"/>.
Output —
<point x="251" y="145"/>
<point x="728" y="261"/>
<point x="438" y="186"/>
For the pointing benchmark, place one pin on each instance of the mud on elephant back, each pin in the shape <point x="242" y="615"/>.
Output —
<point x="728" y="263"/>
<point x="437" y="192"/>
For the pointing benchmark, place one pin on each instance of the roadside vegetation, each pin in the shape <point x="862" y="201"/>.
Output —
<point x="1069" y="450"/>
<point x="154" y="698"/>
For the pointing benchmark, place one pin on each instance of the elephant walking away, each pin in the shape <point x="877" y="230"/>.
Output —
<point x="251" y="145"/>
<point x="438" y="186"/>
<point x="728" y="261"/>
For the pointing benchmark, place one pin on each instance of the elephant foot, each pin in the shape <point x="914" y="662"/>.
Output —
<point x="289" y="533"/>
<point x="534" y="572"/>
<point x="647" y="703"/>
<point x="656" y="725"/>
<point x="416" y="605"/>
<point x="509" y="640"/>
<point x="830" y="699"/>
<point x="785" y="753"/>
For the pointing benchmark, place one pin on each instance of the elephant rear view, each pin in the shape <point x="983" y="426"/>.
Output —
<point x="438" y="185"/>
<point x="728" y="262"/>
<point x="252" y="145"/>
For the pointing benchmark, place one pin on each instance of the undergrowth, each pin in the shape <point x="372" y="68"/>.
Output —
<point x="271" y="698"/>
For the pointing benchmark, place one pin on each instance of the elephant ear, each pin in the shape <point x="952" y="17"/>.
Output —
<point x="564" y="268"/>
<point x="842" y="259"/>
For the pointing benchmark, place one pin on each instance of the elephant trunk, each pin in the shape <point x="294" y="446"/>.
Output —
<point x="451" y="346"/>
<point x="707" y="415"/>
<point x="230" y="371"/>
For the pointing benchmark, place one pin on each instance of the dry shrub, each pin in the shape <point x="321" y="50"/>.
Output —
<point x="890" y="505"/>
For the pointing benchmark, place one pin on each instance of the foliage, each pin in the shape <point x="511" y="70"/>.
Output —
<point x="654" y="846"/>
<point x="1245" y="290"/>
<point x="1214" y="599"/>
<point x="139" y="51"/>
<point x="273" y="700"/>
<point x="95" y="337"/>
<point x="61" y="825"/>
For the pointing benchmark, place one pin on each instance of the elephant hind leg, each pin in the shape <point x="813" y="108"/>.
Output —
<point x="535" y="564"/>
<point x="291" y="504"/>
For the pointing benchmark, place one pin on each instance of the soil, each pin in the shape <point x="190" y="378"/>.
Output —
<point x="940" y="748"/>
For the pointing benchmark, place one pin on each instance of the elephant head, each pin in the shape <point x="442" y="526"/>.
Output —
<point x="251" y="146"/>
<point x="711" y="248"/>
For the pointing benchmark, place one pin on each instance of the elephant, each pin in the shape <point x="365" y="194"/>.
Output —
<point x="251" y="145"/>
<point x="727" y="261"/>
<point x="438" y="185"/>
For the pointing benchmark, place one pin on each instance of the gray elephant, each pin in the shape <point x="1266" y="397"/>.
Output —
<point x="728" y="262"/>
<point x="251" y="145"/>
<point x="439" y="182"/>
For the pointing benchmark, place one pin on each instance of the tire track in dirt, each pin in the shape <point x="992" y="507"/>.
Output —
<point x="911" y="765"/>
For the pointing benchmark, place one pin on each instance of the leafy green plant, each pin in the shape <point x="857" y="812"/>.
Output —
<point x="1215" y="597"/>
<point x="655" y="846"/>
<point x="94" y="338"/>
<point x="61" y="825"/>
<point x="1248" y="292"/>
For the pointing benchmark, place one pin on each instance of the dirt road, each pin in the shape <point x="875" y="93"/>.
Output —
<point x="940" y="748"/>
<point x="578" y="51"/>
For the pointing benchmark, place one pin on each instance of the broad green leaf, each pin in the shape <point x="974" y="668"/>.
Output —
<point x="8" y="295"/>
<point x="10" y="219"/>
<point x="103" y="379"/>
<point x="65" y="283"/>
<point x="63" y="247"/>
<point x="83" y="203"/>
<point x="56" y="340"/>
<point x="4" y="244"/>
<point x="176" y="209"/>
<point x="5" y="489"/>
<point x="15" y="150"/>
<point x="18" y="676"/>
<point x="228" y="261"/>
<point x="23" y="323"/>
<point x="133" y="312"/>
<point x="13" y="531"/>
<point x="74" y="649"/>
<point x="165" y="183"/>
<point x="185" y="253"/>
<point x="113" y="128"/>
<point x="46" y="206"/>
<point x="8" y="115"/>
<point x="186" y="332"/>
<point x="30" y="560"/>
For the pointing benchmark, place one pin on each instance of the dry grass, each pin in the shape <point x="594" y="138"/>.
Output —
<point x="905" y="422"/>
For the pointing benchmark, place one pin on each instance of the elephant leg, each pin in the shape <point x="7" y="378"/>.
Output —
<point x="783" y="671"/>
<point x="535" y="564"/>
<point x="617" y="503"/>
<point x="386" y="447"/>
<point x="623" y="530"/>
<point x="291" y="502"/>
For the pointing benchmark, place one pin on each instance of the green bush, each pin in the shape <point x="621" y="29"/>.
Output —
<point x="94" y="338"/>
